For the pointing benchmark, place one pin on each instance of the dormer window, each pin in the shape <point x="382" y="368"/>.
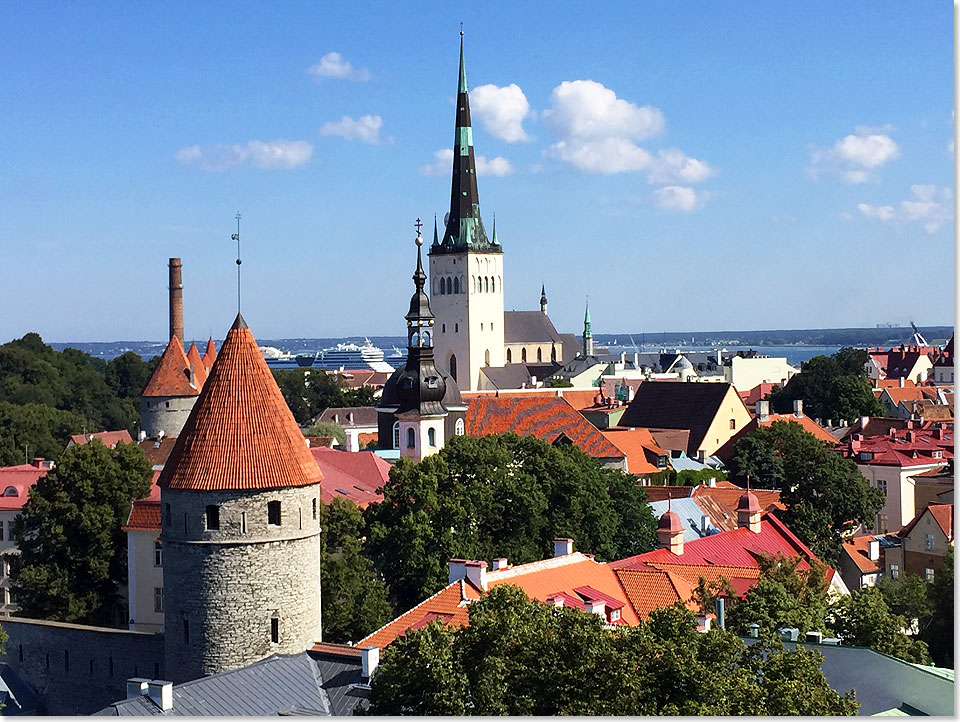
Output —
<point x="614" y="615"/>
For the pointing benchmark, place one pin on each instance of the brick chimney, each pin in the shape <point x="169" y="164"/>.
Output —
<point x="176" y="299"/>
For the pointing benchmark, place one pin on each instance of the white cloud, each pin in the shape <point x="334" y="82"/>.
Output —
<point x="366" y="128"/>
<point x="333" y="65"/>
<point x="855" y="158"/>
<point x="929" y="206"/>
<point x="677" y="198"/>
<point x="587" y="109"/>
<point x="598" y="133"/>
<point x="501" y="110"/>
<point x="273" y="155"/>
<point x="443" y="164"/>
<point x="673" y="165"/>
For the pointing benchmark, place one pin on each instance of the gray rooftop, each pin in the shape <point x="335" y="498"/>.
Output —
<point x="305" y="684"/>
<point x="691" y="516"/>
<point x="529" y="327"/>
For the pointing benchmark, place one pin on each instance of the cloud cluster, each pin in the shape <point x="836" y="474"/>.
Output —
<point x="928" y="205"/>
<point x="273" y="155"/>
<point x="366" y="128"/>
<point x="443" y="163"/>
<point x="855" y="158"/>
<point x="677" y="198"/>
<point x="501" y="111"/>
<point x="333" y="65"/>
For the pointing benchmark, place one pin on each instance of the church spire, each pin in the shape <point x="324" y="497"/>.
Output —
<point x="587" y="332"/>
<point x="543" y="299"/>
<point x="464" y="228"/>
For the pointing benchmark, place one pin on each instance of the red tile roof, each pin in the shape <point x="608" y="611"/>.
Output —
<point x="18" y="479"/>
<point x="158" y="450"/>
<point x="757" y="393"/>
<point x="240" y="433"/>
<point x="210" y="355"/>
<point x="193" y="357"/>
<point x="171" y="377"/>
<point x="354" y="475"/>
<point x="728" y="495"/>
<point x="639" y="447"/>
<point x="901" y="447"/>
<point x="941" y="513"/>
<point x="575" y="578"/>
<point x="577" y="398"/>
<point x="909" y="393"/>
<point x="858" y="550"/>
<point x="727" y="451"/>
<point x="546" y="417"/>
<point x="107" y="438"/>
<point x="144" y="516"/>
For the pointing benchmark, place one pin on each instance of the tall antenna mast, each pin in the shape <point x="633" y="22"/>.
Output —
<point x="236" y="237"/>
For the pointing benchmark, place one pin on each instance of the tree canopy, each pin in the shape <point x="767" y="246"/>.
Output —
<point x="825" y="494"/>
<point x="309" y="391"/>
<point x="831" y="387"/>
<point x="355" y="600"/>
<point x="939" y="633"/>
<point x="73" y="553"/>
<point x="522" y="657"/>
<point x="865" y="620"/>
<point x="500" y="496"/>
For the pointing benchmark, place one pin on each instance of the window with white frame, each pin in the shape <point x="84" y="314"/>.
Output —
<point x="894" y="571"/>
<point x="458" y="428"/>
<point x="396" y="434"/>
<point x="928" y="542"/>
<point x="157" y="553"/>
<point x="158" y="599"/>
<point x="928" y="574"/>
<point x="882" y="485"/>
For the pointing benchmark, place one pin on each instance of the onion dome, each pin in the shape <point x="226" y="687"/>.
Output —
<point x="240" y="434"/>
<point x="749" y="503"/>
<point x="670" y="522"/>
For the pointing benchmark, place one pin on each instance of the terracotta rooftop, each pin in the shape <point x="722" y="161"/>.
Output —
<point x="574" y="578"/>
<point x="171" y="377"/>
<point x="757" y="393"/>
<point x="158" y="450"/>
<point x="144" y="516"/>
<point x="210" y="355"/>
<point x="15" y="482"/>
<point x="858" y="550"/>
<point x="546" y="417"/>
<point x="900" y="447"/>
<point x="240" y="433"/>
<point x="354" y="475"/>
<point x="727" y="451"/>
<point x="639" y="447"/>
<point x="577" y="398"/>
<point x="193" y="357"/>
<point x="108" y="438"/>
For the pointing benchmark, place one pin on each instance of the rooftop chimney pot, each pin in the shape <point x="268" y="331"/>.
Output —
<point x="161" y="693"/>
<point x="500" y="563"/>
<point x="562" y="546"/>
<point x="137" y="686"/>
<point x="369" y="660"/>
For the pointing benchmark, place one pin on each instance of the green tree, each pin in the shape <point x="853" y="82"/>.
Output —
<point x="939" y="632"/>
<point x="908" y="596"/>
<point x="500" y="495"/>
<point x="825" y="495"/>
<point x="521" y="657"/>
<point x="355" y="600"/>
<point x="784" y="596"/>
<point x="309" y="391"/>
<point x="831" y="387"/>
<point x="73" y="554"/>
<point x="863" y="619"/>
<point x="328" y="428"/>
<point x="29" y="430"/>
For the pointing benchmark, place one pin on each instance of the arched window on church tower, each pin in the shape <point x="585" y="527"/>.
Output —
<point x="453" y="366"/>
<point x="486" y="284"/>
<point x="458" y="428"/>
<point x="553" y="353"/>
<point x="486" y="357"/>
<point x="411" y="439"/>
<point x="523" y="356"/>
<point x="441" y="286"/>
<point x="493" y="284"/>
<point x="539" y="355"/>
<point x="456" y="284"/>
<point x="396" y="434"/>
<point x="449" y="285"/>
<point x="509" y="356"/>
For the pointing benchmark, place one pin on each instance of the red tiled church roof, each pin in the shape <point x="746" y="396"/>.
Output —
<point x="144" y="516"/>
<point x="240" y="433"/>
<point x="171" y="377"/>
<point x="547" y="418"/>
<point x="210" y="355"/>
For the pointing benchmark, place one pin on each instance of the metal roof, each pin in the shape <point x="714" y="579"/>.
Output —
<point x="691" y="516"/>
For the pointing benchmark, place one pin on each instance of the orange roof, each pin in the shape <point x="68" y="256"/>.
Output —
<point x="210" y="355"/>
<point x="354" y="475"/>
<point x="240" y="434"/>
<point x="635" y="443"/>
<point x="650" y="589"/>
<point x="893" y="383"/>
<point x="171" y="377"/>
<point x="158" y="450"/>
<point x="574" y="577"/>
<point x="726" y="452"/>
<point x="107" y="438"/>
<point x="546" y="417"/>
<point x="908" y="393"/>
<point x="858" y="549"/>
<point x="577" y="398"/>
<point x="193" y="357"/>
<point x="729" y="494"/>
<point x="144" y="516"/>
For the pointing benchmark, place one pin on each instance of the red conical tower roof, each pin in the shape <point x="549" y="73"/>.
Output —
<point x="171" y="377"/>
<point x="200" y="371"/>
<point x="210" y="355"/>
<point x="240" y="434"/>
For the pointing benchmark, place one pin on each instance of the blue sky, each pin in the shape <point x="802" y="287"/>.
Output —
<point x="699" y="166"/>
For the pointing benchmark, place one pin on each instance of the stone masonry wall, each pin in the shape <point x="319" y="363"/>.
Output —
<point x="223" y="586"/>
<point x="165" y="413"/>
<point x="76" y="669"/>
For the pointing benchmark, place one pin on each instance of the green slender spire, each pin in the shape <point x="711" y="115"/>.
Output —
<point x="495" y="241"/>
<point x="587" y="333"/>
<point x="436" y="238"/>
<point x="462" y="88"/>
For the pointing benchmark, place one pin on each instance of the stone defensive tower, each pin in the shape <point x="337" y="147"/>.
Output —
<point x="240" y="499"/>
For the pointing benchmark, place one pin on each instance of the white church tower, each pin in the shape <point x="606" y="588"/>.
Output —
<point x="466" y="269"/>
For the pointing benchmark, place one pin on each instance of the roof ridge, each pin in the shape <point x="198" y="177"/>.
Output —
<point x="417" y="606"/>
<point x="528" y="567"/>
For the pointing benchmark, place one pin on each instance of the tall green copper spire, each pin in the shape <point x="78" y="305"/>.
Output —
<point x="587" y="332"/>
<point x="464" y="229"/>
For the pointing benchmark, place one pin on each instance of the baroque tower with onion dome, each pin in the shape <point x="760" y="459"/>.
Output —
<point x="240" y="499"/>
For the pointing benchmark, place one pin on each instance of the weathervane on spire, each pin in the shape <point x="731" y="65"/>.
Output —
<point x="236" y="237"/>
<point x="461" y="29"/>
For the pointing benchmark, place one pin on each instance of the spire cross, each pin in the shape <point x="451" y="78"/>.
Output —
<point x="418" y="225"/>
<point x="236" y="237"/>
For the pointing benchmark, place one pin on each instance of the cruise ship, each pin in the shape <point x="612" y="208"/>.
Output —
<point x="341" y="356"/>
